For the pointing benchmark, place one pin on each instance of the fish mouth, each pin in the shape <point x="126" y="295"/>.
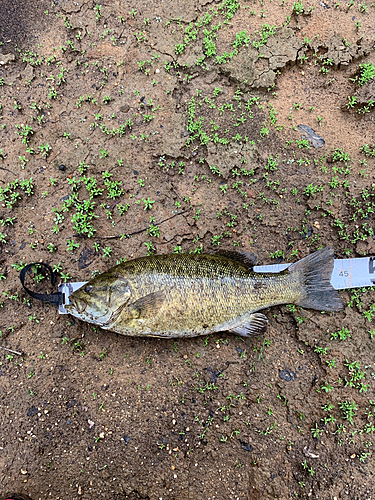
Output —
<point x="78" y="304"/>
<point x="79" y="308"/>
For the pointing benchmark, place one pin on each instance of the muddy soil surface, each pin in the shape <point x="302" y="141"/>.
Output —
<point x="155" y="127"/>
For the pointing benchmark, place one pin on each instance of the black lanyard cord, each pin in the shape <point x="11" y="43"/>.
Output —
<point x="54" y="298"/>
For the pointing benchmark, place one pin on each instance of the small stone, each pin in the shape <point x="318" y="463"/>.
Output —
<point x="62" y="168"/>
<point x="56" y="333"/>
<point x="6" y="58"/>
<point x="251" y="193"/>
<point x="309" y="453"/>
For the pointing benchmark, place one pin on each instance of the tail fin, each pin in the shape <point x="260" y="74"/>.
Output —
<point x="315" y="272"/>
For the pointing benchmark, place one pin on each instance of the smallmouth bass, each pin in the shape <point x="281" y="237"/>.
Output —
<point x="185" y="295"/>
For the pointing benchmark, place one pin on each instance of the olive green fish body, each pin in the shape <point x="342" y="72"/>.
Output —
<point x="180" y="295"/>
<point x="190" y="296"/>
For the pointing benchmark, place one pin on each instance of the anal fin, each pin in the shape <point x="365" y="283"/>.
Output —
<point x="256" y="324"/>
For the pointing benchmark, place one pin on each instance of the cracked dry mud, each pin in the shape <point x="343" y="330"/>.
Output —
<point x="191" y="110"/>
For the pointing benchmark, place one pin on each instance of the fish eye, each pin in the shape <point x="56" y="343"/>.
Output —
<point x="88" y="288"/>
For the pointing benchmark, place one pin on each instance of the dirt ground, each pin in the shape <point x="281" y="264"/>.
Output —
<point x="116" y="117"/>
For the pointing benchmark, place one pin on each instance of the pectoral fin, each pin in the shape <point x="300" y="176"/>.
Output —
<point x="256" y="324"/>
<point x="147" y="306"/>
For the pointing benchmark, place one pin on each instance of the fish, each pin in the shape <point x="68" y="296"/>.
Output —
<point x="187" y="295"/>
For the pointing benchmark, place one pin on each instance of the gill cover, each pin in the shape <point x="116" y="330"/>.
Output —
<point x="100" y="300"/>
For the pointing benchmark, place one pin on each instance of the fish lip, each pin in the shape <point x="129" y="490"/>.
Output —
<point x="79" y="305"/>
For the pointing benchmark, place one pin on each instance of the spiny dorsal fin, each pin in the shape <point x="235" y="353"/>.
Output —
<point x="245" y="258"/>
<point x="256" y="324"/>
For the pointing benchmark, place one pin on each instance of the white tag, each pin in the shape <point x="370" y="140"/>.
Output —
<point x="347" y="273"/>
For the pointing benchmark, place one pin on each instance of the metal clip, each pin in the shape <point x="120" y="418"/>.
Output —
<point x="67" y="289"/>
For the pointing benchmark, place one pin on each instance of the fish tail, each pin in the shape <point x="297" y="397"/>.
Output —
<point x="314" y="274"/>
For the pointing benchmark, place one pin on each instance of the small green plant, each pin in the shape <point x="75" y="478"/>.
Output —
<point x="107" y="252"/>
<point x="71" y="245"/>
<point x="348" y="409"/>
<point x="352" y="102"/>
<point x="342" y="334"/>
<point x="320" y="350"/>
<point x="316" y="432"/>
<point x="150" y="248"/>
<point x="45" y="149"/>
<point x="98" y="9"/>
<point x="279" y="254"/>
<point x="25" y="131"/>
<point x="368" y="150"/>
<point x="331" y="363"/>
<point x="297" y="8"/>
<point x="148" y="203"/>
<point x="325" y="387"/>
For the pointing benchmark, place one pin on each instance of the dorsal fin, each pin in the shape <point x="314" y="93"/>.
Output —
<point x="245" y="258"/>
